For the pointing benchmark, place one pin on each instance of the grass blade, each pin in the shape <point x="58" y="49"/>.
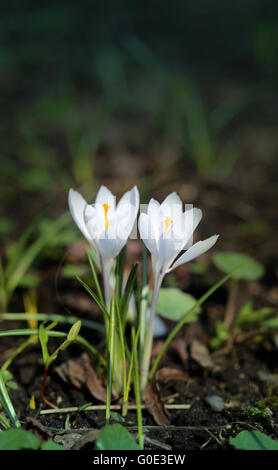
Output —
<point x="7" y="403"/>
<point x="95" y="278"/>
<point x="98" y="301"/>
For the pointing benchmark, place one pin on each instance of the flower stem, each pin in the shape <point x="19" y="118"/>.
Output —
<point x="111" y="349"/>
<point x="231" y="304"/>
<point x="145" y="364"/>
<point x="106" y="271"/>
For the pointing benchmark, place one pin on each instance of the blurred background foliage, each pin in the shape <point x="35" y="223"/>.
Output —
<point x="147" y="93"/>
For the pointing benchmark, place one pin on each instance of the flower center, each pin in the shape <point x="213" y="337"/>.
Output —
<point x="106" y="208"/>
<point x="167" y="223"/>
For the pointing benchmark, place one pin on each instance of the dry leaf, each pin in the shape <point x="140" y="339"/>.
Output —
<point x="168" y="374"/>
<point x="155" y="406"/>
<point x="81" y="373"/>
<point x="73" y="371"/>
<point x="200" y="353"/>
<point x="180" y="347"/>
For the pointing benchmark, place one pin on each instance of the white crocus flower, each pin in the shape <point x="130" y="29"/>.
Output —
<point x="166" y="231"/>
<point x="105" y="225"/>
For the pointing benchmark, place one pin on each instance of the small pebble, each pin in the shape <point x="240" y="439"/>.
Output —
<point x="215" y="402"/>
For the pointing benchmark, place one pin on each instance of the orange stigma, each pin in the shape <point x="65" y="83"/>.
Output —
<point x="106" y="208"/>
<point x="167" y="222"/>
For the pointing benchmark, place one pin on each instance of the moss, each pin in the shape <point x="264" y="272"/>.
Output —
<point x="257" y="412"/>
<point x="268" y="402"/>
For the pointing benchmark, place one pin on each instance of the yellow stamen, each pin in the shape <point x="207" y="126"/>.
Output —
<point x="106" y="208"/>
<point x="167" y="222"/>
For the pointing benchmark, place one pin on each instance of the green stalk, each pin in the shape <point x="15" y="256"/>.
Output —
<point x="5" y="423"/>
<point x="143" y="302"/>
<point x="51" y="317"/>
<point x="137" y="387"/>
<point x="120" y="369"/>
<point x="111" y="350"/>
<point x="127" y="388"/>
<point x="183" y="321"/>
<point x="7" y="404"/>
<point x="55" y="334"/>
<point x="95" y="278"/>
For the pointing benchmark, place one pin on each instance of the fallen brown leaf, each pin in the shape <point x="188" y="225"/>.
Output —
<point x="155" y="406"/>
<point x="168" y="374"/>
<point x="179" y="346"/>
<point x="200" y="353"/>
<point x="80" y="373"/>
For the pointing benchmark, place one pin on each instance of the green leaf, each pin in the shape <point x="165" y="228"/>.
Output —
<point x="173" y="304"/>
<point x="124" y="303"/>
<point x="74" y="331"/>
<point x="50" y="445"/>
<point x="120" y="263"/>
<point x="16" y="439"/>
<point x="92" y="263"/>
<point x="115" y="437"/>
<point x="99" y="301"/>
<point x="253" y="440"/>
<point x="72" y="335"/>
<point x="249" y="316"/>
<point x="271" y="323"/>
<point x="221" y="334"/>
<point x="246" y="268"/>
<point x="43" y="336"/>
<point x="6" y="402"/>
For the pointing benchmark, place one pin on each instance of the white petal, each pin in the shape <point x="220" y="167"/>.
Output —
<point x="76" y="205"/>
<point x="145" y="229"/>
<point x="169" y="246"/>
<point x="104" y="196"/>
<point x="153" y="208"/>
<point x="126" y="211"/>
<point x="172" y="199"/>
<point x="129" y="198"/>
<point x="191" y="220"/>
<point x="154" y="219"/>
<point x="195" y="250"/>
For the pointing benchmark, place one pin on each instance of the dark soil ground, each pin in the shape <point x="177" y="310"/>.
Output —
<point x="242" y="379"/>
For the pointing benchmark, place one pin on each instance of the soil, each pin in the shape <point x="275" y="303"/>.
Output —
<point x="240" y="377"/>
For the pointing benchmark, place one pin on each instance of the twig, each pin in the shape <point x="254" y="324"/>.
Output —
<point x="75" y="409"/>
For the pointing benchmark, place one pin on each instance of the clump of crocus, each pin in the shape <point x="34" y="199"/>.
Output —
<point x="166" y="230"/>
